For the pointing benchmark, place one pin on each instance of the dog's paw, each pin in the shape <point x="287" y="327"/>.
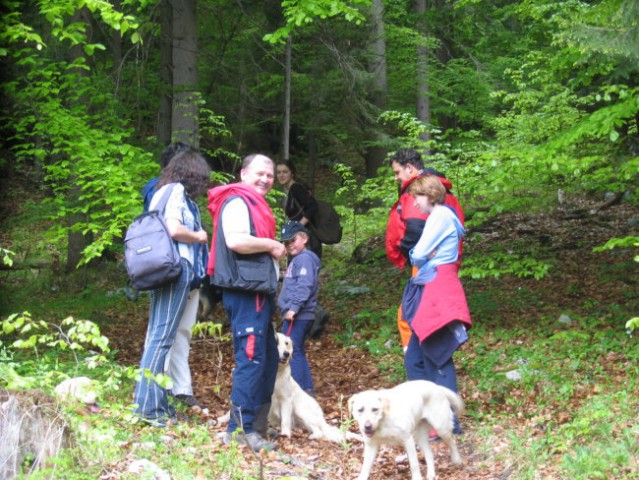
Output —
<point x="456" y="459"/>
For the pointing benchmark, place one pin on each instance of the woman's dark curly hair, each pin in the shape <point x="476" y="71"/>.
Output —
<point x="191" y="170"/>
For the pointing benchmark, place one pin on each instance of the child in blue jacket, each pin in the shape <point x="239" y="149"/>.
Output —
<point x="298" y="298"/>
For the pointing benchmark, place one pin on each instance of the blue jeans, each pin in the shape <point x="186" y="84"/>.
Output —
<point x="256" y="357"/>
<point x="300" y="369"/>
<point x="167" y="307"/>
<point x="420" y="367"/>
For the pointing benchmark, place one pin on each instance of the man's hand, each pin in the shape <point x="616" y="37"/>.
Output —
<point x="278" y="250"/>
<point x="202" y="236"/>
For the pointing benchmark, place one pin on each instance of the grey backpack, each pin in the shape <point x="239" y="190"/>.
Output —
<point x="151" y="255"/>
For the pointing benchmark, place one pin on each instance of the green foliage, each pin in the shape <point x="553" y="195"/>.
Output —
<point x="94" y="173"/>
<point x="7" y="256"/>
<point x="497" y="264"/>
<point x="207" y="329"/>
<point x="298" y="13"/>
<point x="66" y="123"/>
<point x="625" y="242"/>
<point x="568" y="116"/>
<point x="632" y="325"/>
<point x="70" y="334"/>
<point x="74" y="344"/>
<point x="612" y="455"/>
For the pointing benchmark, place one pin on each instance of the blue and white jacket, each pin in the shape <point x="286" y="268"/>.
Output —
<point x="300" y="286"/>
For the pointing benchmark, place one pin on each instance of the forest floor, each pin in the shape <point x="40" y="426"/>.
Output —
<point x="341" y="370"/>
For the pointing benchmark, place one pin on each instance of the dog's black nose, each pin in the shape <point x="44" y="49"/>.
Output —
<point x="286" y="354"/>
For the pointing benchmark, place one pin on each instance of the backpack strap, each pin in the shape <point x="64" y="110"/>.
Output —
<point x="165" y="198"/>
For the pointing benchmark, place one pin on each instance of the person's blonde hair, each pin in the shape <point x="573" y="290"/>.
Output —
<point x="430" y="186"/>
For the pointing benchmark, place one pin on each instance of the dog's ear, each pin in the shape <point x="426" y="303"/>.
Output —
<point x="386" y="404"/>
<point x="350" y="405"/>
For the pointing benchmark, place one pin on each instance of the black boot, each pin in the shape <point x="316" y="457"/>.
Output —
<point x="260" y="424"/>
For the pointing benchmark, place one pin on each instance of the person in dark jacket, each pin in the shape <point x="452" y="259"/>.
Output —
<point x="299" y="203"/>
<point x="298" y="298"/>
<point x="244" y="263"/>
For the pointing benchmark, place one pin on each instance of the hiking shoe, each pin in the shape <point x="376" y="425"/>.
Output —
<point x="253" y="439"/>
<point x="190" y="401"/>
<point x="257" y="442"/>
<point x="160" y="422"/>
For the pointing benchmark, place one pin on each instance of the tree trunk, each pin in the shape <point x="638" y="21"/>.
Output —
<point x="184" y="121"/>
<point x="286" y="130"/>
<point x="376" y="154"/>
<point x="116" y="44"/>
<point x="165" y="110"/>
<point x="423" y="88"/>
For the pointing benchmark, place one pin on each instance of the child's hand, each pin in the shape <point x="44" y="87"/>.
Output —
<point x="289" y="315"/>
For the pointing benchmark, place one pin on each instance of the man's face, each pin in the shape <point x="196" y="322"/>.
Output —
<point x="259" y="175"/>
<point x="403" y="173"/>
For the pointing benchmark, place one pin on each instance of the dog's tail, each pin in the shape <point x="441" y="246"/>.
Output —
<point x="456" y="402"/>
<point x="336" y="435"/>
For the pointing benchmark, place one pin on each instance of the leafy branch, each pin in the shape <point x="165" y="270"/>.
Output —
<point x="70" y="335"/>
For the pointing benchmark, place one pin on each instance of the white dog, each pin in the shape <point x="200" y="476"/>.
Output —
<point x="290" y="403"/>
<point x="79" y="390"/>
<point x="404" y="415"/>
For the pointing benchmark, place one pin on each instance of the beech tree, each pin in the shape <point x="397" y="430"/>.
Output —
<point x="376" y="151"/>
<point x="62" y="121"/>
<point x="186" y="97"/>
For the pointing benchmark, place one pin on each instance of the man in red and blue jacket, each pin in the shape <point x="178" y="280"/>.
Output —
<point x="405" y="226"/>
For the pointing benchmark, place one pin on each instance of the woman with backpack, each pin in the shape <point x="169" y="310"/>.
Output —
<point x="299" y="204"/>
<point x="187" y="176"/>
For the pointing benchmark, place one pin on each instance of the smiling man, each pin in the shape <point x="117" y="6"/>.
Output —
<point x="244" y="263"/>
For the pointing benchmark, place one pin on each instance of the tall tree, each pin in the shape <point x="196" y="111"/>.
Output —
<point x="165" y="110"/>
<point x="185" y="107"/>
<point x="376" y="151"/>
<point x="423" y="79"/>
<point x="286" y="127"/>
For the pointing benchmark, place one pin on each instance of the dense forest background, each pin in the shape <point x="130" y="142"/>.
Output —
<point x="519" y="103"/>
<point x="529" y="107"/>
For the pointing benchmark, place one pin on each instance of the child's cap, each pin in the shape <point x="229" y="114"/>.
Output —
<point x="290" y="229"/>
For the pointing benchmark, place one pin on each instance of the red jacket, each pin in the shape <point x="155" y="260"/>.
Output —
<point x="443" y="301"/>
<point x="260" y="213"/>
<point x="406" y="223"/>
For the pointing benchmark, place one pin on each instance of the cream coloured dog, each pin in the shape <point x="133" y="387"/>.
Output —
<point x="290" y="404"/>
<point x="78" y="390"/>
<point x="404" y="415"/>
